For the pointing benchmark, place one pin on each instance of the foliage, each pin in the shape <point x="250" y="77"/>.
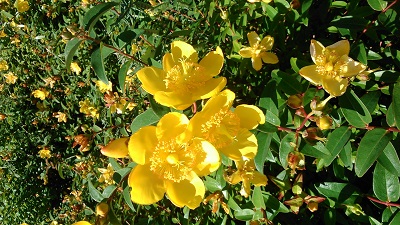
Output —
<point x="329" y="160"/>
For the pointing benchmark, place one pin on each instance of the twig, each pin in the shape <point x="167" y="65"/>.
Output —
<point x="383" y="203"/>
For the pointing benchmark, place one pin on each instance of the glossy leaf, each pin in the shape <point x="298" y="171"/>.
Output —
<point x="377" y="5"/>
<point x="263" y="152"/>
<point x="97" y="61"/>
<point x="336" y="141"/>
<point x="244" y="214"/>
<point x="286" y="146"/>
<point x="386" y="186"/>
<point x="389" y="159"/>
<point x="287" y="83"/>
<point x="338" y="192"/>
<point x="70" y="49"/>
<point x="94" y="14"/>
<point x="354" y="110"/>
<point x="396" y="104"/>
<point x="370" y="100"/>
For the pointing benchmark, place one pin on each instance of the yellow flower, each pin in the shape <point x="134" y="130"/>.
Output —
<point x="228" y="130"/>
<point x="75" y="68"/>
<point x="3" y="65"/>
<point x="116" y="149"/>
<point x="41" y="94"/>
<point x="62" y="117"/>
<point x="265" y="1"/>
<point x="82" y="223"/>
<point x="2" y="34"/>
<point x="183" y="79"/>
<point x="10" y="78"/>
<point x="259" y="50"/>
<point x="21" y="5"/>
<point x="333" y="67"/>
<point x="87" y="108"/>
<point x="44" y="153"/>
<point x="103" y="87"/>
<point x="24" y="224"/>
<point x="53" y="222"/>
<point x="102" y="209"/>
<point x="245" y="172"/>
<point x="170" y="161"/>
<point x="106" y="174"/>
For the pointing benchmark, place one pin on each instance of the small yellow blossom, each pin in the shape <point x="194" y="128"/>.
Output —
<point x="62" y="117"/>
<point x="41" y="94"/>
<point x="265" y="1"/>
<point x="183" y="80"/>
<point x="259" y="50"/>
<point x="45" y="153"/>
<point x="53" y="222"/>
<point x="82" y="223"/>
<point x="87" y="108"/>
<point x="3" y="65"/>
<point x="103" y="87"/>
<point x="75" y="68"/>
<point x="10" y="78"/>
<point x="131" y="106"/>
<point x="102" y="209"/>
<point x="2" y="34"/>
<point x="245" y="172"/>
<point x="21" y="5"/>
<point x="333" y="67"/>
<point x="106" y="174"/>
<point x="24" y="224"/>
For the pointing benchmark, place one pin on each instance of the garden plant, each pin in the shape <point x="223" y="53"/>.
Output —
<point x="130" y="112"/>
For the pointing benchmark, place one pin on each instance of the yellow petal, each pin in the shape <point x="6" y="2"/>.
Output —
<point x="152" y="79"/>
<point x="259" y="179"/>
<point x="82" y="223"/>
<point x="244" y="145"/>
<point x="269" y="57"/>
<point x="257" y="63"/>
<point x="142" y="143"/>
<point x="250" y="116"/>
<point x="188" y="192"/>
<point x="171" y="125"/>
<point x="234" y="178"/>
<point x="267" y="42"/>
<point x="213" y="62"/>
<point x="351" y="67"/>
<point x="246" y="52"/>
<point x="210" y="88"/>
<point x="341" y="47"/>
<point x="316" y="49"/>
<point x="211" y="162"/>
<point x="310" y="73"/>
<point x="147" y="188"/>
<point x="116" y="149"/>
<point x="174" y="100"/>
<point x="253" y="38"/>
<point x="335" y="86"/>
<point x="168" y="62"/>
<point x="182" y="50"/>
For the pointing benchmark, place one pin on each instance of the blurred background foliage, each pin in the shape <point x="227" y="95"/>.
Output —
<point x="65" y="186"/>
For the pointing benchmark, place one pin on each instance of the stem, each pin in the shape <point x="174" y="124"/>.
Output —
<point x="389" y="129"/>
<point x="383" y="203"/>
<point x="119" y="184"/>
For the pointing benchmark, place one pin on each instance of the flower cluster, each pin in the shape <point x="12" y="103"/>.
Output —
<point x="88" y="108"/>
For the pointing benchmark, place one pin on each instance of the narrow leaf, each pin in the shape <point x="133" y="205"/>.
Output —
<point x="263" y="152"/>
<point x="70" y="49"/>
<point x="93" y="192"/>
<point x="97" y="61"/>
<point x="286" y="147"/>
<point x="257" y="198"/>
<point x="396" y="104"/>
<point x="354" y="110"/>
<point x="122" y="75"/>
<point x="339" y="192"/>
<point x="94" y="14"/>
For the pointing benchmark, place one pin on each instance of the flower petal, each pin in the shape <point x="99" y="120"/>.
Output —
<point x="213" y="62"/>
<point x="267" y="42"/>
<point x="351" y="67"/>
<point x="246" y="52"/>
<point x="142" y="143"/>
<point x="174" y="99"/>
<point x="269" y="57"/>
<point x="250" y="116"/>
<point x="188" y="192"/>
<point x="257" y="63"/>
<point x="147" y="188"/>
<point x="244" y="145"/>
<point x="82" y="223"/>
<point x="316" y="49"/>
<point x="116" y="149"/>
<point x="253" y="38"/>
<point x="182" y="50"/>
<point x="341" y="47"/>
<point x="335" y="86"/>
<point x="168" y="62"/>
<point x="259" y="179"/>
<point x="310" y="73"/>
<point x="210" y="88"/>
<point x="234" y="178"/>
<point x="152" y="79"/>
<point x="171" y="125"/>
<point x="211" y="161"/>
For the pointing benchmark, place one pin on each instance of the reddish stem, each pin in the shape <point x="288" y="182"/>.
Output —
<point x="383" y="203"/>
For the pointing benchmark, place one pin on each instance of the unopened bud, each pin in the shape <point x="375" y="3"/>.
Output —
<point x="295" y="4"/>
<point x="324" y="122"/>
<point x="295" y="101"/>
<point x="2" y="116"/>
<point x="102" y="209"/>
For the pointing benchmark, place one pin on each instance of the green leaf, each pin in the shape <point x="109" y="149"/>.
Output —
<point x="371" y="146"/>
<point x="339" y="4"/>
<point x="396" y="104"/>
<point x="158" y="109"/>
<point x="127" y="196"/>
<point x="317" y="151"/>
<point x="108" y="191"/>
<point x="97" y="61"/>
<point x="377" y="5"/>
<point x="94" y="14"/>
<point x="70" y="49"/>
<point x="123" y="71"/>
<point x="269" y="98"/>
<point x="274" y="203"/>
<point x="370" y="100"/>
<point x="272" y="118"/>
<point x="354" y="110"/>
<point x="212" y="185"/>
<point x="286" y="147"/>
<point x="113" y="218"/>
<point x="339" y="192"/>
<point x="257" y="198"/>
<point x="389" y="159"/>
<point x="386" y="186"/>
<point x="297" y="64"/>
<point x="244" y="214"/>
<point x="263" y="152"/>
<point x="145" y="119"/>
<point x="287" y="83"/>
<point x="345" y="155"/>
<point x="336" y="141"/>
<point x="390" y="116"/>
<point x="93" y="192"/>
<point x="350" y="22"/>
<point x="387" y="76"/>
<point x="361" y="53"/>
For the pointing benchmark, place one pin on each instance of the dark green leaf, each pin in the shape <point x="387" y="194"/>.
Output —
<point x="396" y="104"/>
<point x="244" y="214"/>
<point x="257" y="198"/>
<point x="390" y="116"/>
<point x="354" y="110"/>
<point x="287" y="83"/>
<point x="370" y="100"/>
<point x="371" y="146"/>
<point x="385" y="185"/>
<point x="339" y="192"/>
<point x="345" y="155"/>
<point x="377" y="5"/>
<point x="263" y="152"/>
<point x="94" y="14"/>
<point x="272" y="118"/>
<point x="127" y="196"/>
<point x="158" y="109"/>
<point x="70" y="49"/>
<point x="93" y="192"/>
<point x="113" y="218"/>
<point x="97" y="61"/>
<point x="286" y="146"/>
<point x="145" y="119"/>
<point x="387" y="76"/>
<point x="273" y="203"/>
<point x="269" y="98"/>
<point x="336" y="141"/>
<point x="122" y="75"/>
<point x="317" y="151"/>
<point x="350" y="22"/>
<point x="389" y="159"/>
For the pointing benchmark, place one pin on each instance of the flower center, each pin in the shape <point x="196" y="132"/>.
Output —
<point x="185" y="77"/>
<point x="174" y="161"/>
<point x="329" y="63"/>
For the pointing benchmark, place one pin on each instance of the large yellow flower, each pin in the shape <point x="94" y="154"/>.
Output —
<point x="228" y="130"/>
<point x="170" y="161"/>
<point x="183" y="79"/>
<point x="245" y="172"/>
<point x="259" y="50"/>
<point x="333" y="67"/>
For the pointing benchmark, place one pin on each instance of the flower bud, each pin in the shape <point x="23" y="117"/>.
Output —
<point x="296" y="160"/>
<point x="324" y="122"/>
<point x="102" y="209"/>
<point x="2" y="116"/>
<point x="295" y="101"/>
